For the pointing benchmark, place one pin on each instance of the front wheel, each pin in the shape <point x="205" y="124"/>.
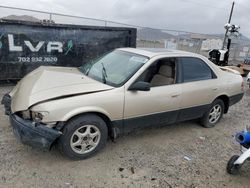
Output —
<point x="83" y="136"/>
<point x="214" y="114"/>
<point x="231" y="167"/>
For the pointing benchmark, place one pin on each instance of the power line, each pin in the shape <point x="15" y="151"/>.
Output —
<point x="95" y="19"/>
<point x="105" y="21"/>
<point x="241" y="5"/>
<point x="204" y="4"/>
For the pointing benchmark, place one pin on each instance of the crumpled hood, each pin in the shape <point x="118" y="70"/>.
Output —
<point x="47" y="83"/>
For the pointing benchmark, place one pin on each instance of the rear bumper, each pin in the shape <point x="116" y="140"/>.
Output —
<point x="33" y="134"/>
<point x="235" y="98"/>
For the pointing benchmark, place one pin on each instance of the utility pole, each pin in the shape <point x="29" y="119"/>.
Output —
<point x="229" y="21"/>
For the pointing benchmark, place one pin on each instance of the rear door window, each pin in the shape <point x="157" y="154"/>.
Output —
<point x="194" y="69"/>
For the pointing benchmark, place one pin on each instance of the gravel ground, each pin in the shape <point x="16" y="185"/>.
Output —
<point x="180" y="155"/>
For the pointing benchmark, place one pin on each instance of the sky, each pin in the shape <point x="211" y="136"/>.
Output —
<point x="206" y="16"/>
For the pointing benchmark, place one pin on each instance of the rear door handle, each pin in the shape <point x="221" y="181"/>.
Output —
<point x="175" y="95"/>
<point x="215" y="88"/>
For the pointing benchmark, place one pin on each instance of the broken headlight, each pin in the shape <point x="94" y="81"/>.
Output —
<point x="38" y="116"/>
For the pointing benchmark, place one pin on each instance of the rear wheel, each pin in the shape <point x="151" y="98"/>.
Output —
<point x="83" y="136"/>
<point x="214" y="114"/>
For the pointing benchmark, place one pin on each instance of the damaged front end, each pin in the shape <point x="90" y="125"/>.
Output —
<point x="33" y="134"/>
<point x="29" y="132"/>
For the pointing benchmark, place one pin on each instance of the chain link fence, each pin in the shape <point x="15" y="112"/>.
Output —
<point x="146" y="37"/>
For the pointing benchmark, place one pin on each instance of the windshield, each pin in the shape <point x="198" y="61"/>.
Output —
<point x="114" y="68"/>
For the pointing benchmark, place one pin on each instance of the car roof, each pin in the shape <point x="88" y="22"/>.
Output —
<point x="151" y="52"/>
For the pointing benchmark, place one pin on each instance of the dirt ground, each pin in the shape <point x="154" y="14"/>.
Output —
<point x="180" y="155"/>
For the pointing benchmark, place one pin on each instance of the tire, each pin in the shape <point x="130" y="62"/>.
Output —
<point x="231" y="167"/>
<point x="83" y="136"/>
<point x="208" y="120"/>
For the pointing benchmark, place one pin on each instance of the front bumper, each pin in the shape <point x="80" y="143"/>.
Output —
<point x="33" y="134"/>
<point x="28" y="132"/>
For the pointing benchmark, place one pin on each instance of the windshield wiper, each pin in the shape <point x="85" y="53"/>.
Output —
<point x="104" y="74"/>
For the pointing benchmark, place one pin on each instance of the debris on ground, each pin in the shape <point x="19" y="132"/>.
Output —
<point x="132" y="170"/>
<point x="187" y="158"/>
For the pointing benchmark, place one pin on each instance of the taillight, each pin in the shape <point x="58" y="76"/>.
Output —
<point x="242" y="86"/>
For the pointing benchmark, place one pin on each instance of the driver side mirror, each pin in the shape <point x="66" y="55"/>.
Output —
<point x="140" y="86"/>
